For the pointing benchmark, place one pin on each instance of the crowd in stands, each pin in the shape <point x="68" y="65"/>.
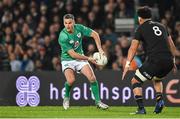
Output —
<point x="29" y="30"/>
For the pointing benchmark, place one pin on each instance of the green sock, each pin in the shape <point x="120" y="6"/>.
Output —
<point x="67" y="89"/>
<point x="95" y="91"/>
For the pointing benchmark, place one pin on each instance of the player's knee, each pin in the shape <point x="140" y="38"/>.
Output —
<point x="133" y="81"/>
<point x="92" y="78"/>
<point x="136" y="84"/>
<point x="71" y="82"/>
<point x="158" y="81"/>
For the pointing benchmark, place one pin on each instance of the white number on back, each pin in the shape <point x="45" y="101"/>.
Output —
<point x="157" y="31"/>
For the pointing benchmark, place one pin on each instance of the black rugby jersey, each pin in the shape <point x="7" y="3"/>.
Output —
<point x="154" y="39"/>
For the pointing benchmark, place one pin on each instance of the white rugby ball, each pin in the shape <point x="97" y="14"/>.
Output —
<point x="100" y="59"/>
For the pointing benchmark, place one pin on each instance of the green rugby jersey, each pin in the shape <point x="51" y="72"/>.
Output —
<point x="73" y="40"/>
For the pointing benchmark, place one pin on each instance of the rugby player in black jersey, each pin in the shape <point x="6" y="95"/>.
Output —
<point x="160" y="58"/>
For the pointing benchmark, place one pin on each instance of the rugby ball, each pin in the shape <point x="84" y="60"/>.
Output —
<point x="100" y="59"/>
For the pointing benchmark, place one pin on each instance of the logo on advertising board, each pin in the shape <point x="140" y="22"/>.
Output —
<point x="110" y="91"/>
<point x="172" y="91"/>
<point x="27" y="88"/>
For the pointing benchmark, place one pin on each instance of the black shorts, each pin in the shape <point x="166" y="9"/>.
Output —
<point x="154" y="69"/>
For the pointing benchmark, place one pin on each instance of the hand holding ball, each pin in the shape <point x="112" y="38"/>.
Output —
<point x="100" y="58"/>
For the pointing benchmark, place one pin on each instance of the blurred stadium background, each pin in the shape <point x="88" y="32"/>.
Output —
<point x="29" y="32"/>
<point x="30" y="29"/>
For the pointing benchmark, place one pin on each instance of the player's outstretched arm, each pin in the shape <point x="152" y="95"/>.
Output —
<point x="174" y="52"/>
<point x="77" y="56"/>
<point x="132" y="50"/>
<point x="131" y="53"/>
<point x="96" y="37"/>
<point x="172" y="47"/>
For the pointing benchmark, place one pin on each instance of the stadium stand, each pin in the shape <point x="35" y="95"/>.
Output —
<point x="30" y="29"/>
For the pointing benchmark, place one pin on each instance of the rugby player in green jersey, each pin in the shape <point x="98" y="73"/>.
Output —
<point x="73" y="59"/>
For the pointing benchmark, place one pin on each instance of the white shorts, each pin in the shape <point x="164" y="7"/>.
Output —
<point x="75" y="65"/>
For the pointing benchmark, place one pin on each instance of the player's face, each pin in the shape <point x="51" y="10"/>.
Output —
<point x="69" y="24"/>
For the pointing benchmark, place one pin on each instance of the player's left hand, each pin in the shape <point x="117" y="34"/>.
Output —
<point x="126" y="69"/>
<point x="174" y="69"/>
<point x="92" y="60"/>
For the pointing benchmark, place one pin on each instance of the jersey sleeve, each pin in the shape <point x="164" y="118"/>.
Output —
<point x="64" y="42"/>
<point x="85" y="30"/>
<point x="137" y="34"/>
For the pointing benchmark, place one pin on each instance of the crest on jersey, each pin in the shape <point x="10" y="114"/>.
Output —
<point x="79" y="35"/>
<point x="76" y="44"/>
<point x="71" y="41"/>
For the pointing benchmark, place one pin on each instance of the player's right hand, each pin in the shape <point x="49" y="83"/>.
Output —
<point x="101" y="51"/>
<point x="126" y="69"/>
<point x="92" y="60"/>
<point x="174" y="69"/>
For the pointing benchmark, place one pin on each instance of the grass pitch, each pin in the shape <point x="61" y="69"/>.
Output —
<point x="83" y="112"/>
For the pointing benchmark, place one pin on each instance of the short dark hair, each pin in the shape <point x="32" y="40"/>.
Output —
<point x="144" y="12"/>
<point x="68" y="16"/>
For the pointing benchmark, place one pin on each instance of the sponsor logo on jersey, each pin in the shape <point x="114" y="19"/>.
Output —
<point x="79" y="35"/>
<point x="71" y="41"/>
<point x="147" y="75"/>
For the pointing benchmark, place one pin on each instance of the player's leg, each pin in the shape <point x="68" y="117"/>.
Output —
<point x="158" y="86"/>
<point x="136" y="83"/>
<point x="164" y="67"/>
<point x="70" y="78"/>
<point x="88" y="72"/>
<point x="145" y="72"/>
<point x="68" y="70"/>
